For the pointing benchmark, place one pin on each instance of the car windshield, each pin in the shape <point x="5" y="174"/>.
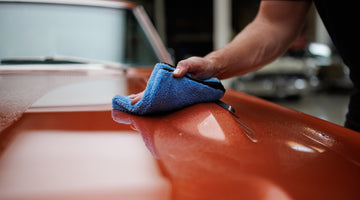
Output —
<point x="31" y="31"/>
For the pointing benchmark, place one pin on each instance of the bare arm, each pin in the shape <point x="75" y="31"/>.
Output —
<point x="275" y="27"/>
<point x="267" y="37"/>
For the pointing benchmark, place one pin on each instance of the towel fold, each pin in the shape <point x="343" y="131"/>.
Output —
<point x="165" y="93"/>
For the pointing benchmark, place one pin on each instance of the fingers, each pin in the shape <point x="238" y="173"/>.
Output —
<point x="181" y="69"/>
<point x="136" y="98"/>
<point x="198" y="67"/>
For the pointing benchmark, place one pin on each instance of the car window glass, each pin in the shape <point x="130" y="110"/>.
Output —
<point x="99" y="33"/>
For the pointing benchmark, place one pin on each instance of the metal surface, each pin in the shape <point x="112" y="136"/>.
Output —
<point x="263" y="151"/>
<point x="60" y="139"/>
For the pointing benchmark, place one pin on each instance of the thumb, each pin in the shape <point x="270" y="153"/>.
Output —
<point x="181" y="69"/>
<point x="196" y="66"/>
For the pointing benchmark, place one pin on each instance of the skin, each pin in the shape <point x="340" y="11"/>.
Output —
<point x="268" y="36"/>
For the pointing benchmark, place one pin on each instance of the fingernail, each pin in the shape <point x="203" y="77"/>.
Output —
<point x="177" y="71"/>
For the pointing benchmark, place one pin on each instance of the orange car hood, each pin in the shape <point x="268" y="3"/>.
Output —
<point x="262" y="151"/>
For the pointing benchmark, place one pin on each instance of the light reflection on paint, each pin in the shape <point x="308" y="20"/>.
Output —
<point x="210" y="128"/>
<point x="303" y="148"/>
<point x="58" y="162"/>
<point x="318" y="137"/>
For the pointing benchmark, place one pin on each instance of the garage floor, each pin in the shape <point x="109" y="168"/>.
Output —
<point x="330" y="107"/>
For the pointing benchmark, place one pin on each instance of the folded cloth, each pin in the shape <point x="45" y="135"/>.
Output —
<point x="165" y="93"/>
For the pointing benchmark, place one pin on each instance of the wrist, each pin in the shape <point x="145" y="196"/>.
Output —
<point x="217" y="63"/>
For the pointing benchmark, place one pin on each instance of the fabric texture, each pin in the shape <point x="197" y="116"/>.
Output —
<point x="165" y="93"/>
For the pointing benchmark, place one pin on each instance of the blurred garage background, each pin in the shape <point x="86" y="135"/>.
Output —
<point x="309" y="77"/>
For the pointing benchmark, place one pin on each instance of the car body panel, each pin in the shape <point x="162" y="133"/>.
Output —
<point x="262" y="151"/>
<point x="60" y="139"/>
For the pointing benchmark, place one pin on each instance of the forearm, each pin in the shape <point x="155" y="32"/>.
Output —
<point x="258" y="44"/>
<point x="248" y="51"/>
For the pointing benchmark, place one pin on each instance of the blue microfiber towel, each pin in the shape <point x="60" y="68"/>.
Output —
<point x="165" y="93"/>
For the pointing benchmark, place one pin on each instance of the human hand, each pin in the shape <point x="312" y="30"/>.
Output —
<point x="198" y="67"/>
<point x="136" y="97"/>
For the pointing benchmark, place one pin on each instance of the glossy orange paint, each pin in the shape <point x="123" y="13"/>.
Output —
<point x="263" y="151"/>
<point x="77" y="155"/>
<point x="60" y="145"/>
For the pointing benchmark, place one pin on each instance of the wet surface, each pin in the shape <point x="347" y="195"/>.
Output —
<point x="77" y="155"/>
<point x="27" y="89"/>
<point x="58" y="150"/>
<point x="250" y="156"/>
<point x="20" y="89"/>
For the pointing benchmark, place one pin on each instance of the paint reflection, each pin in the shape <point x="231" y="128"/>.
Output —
<point x="138" y="125"/>
<point x="202" y="158"/>
<point x="210" y="128"/>
<point x="304" y="148"/>
<point x="318" y="137"/>
<point x="57" y="164"/>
